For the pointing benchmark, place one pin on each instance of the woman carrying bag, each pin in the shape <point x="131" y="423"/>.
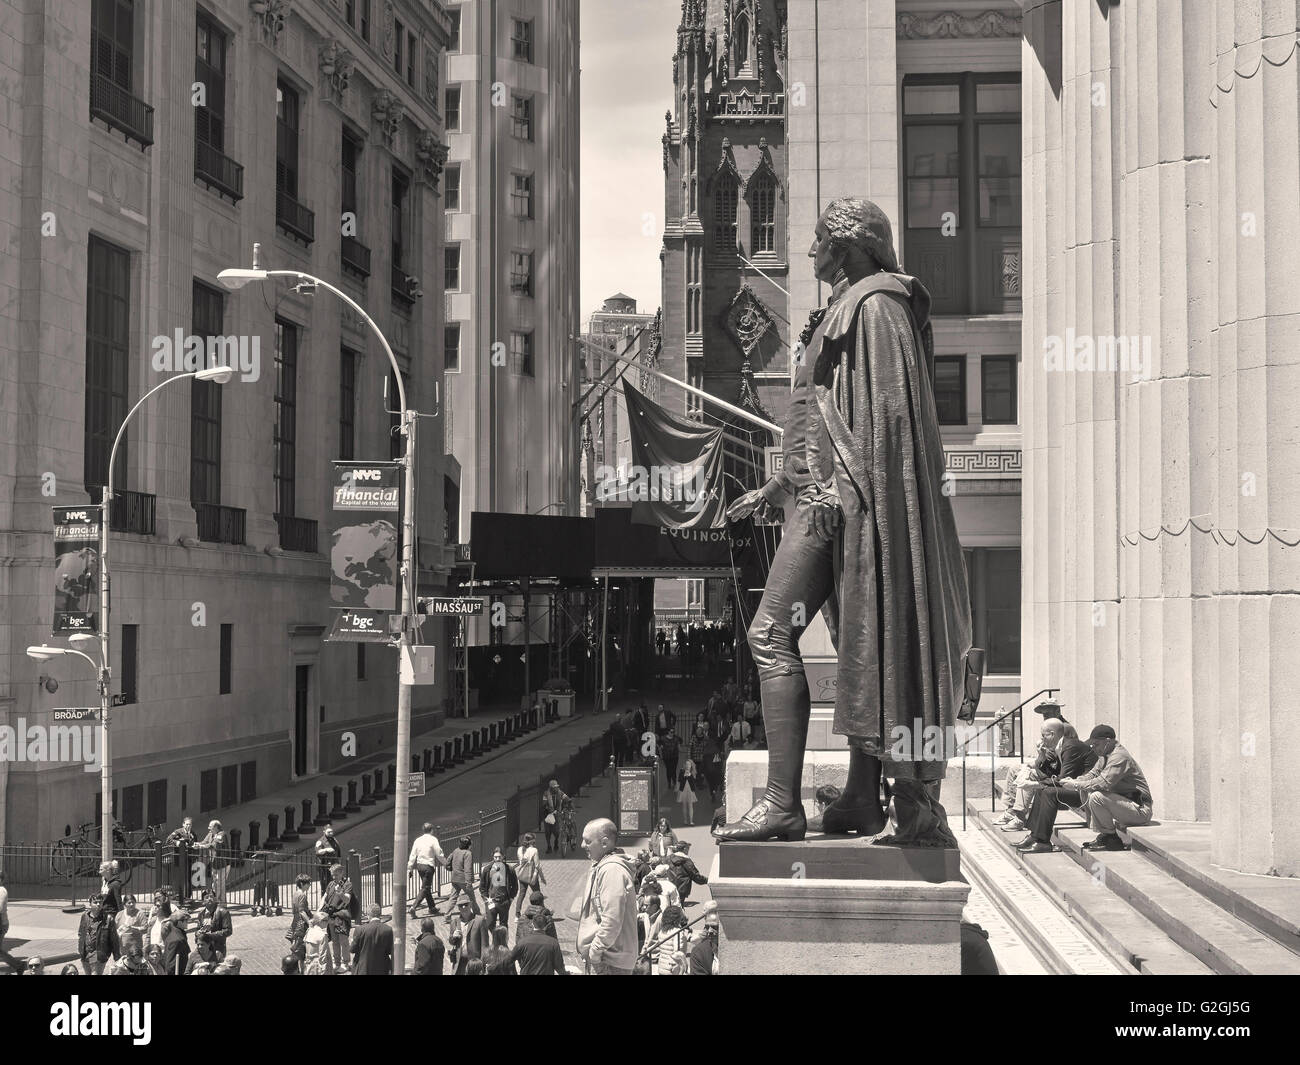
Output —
<point x="529" y="871"/>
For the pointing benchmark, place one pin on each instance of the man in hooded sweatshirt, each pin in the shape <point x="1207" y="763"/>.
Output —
<point x="607" y="939"/>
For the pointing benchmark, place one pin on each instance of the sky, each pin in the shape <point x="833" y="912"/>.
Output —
<point x="627" y="85"/>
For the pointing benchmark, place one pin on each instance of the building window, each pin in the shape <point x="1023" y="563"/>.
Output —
<point x="521" y="196"/>
<point x="365" y="20"/>
<point x="410" y="59"/>
<point x="451" y="346"/>
<point x="452" y="109"/>
<point x="113" y="41"/>
<point x="227" y="658"/>
<point x="961" y="203"/>
<point x="130" y="663"/>
<point x="521" y="117"/>
<point x="451" y="511"/>
<point x="400" y="188"/>
<point x="451" y="268"/>
<point x="521" y="353"/>
<point x="350" y="11"/>
<point x="286" y="139"/>
<point x="361" y="661"/>
<point x="521" y="273"/>
<point x="994" y="574"/>
<point x="350" y="157"/>
<point x="724" y="215"/>
<point x="210" y="72"/>
<point x="286" y="403"/>
<point x="763" y="215"/>
<point x="950" y="389"/>
<point x="521" y="39"/>
<point x="453" y="39"/>
<point x="347" y="403"/>
<point x="451" y="188"/>
<point x="157" y="800"/>
<point x="998" y="389"/>
<point x="108" y="338"/>
<point x="205" y="402"/>
<point x="399" y="38"/>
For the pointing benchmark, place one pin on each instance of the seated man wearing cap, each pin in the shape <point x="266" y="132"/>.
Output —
<point x="1114" y="791"/>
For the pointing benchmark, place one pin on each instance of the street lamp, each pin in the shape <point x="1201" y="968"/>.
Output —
<point x="237" y="278"/>
<point x="218" y="375"/>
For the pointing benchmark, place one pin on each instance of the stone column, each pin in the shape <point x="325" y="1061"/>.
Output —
<point x="1252" y="449"/>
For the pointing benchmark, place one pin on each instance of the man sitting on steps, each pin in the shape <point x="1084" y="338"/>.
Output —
<point x="1059" y="757"/>
<point x="1114" y="792"/>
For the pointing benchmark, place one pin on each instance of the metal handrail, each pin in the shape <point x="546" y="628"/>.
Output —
<point x="1015" y="712"/>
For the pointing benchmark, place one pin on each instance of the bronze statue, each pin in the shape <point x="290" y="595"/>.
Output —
<point x="873" y="544"/>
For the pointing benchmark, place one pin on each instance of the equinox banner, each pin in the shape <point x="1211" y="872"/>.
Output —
<point x="363" y="536"/>
<point x="76" y="569"/>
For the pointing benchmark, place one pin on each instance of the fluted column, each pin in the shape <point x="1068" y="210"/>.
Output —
<point x="1253" y="389"/>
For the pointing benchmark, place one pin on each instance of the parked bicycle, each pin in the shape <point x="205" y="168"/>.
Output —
<point x="568" y="829"/>
<point x="79" y="854"/>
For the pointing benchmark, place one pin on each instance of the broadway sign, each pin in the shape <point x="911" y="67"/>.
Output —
<point x="76" y="569"/>
<point x="363" y="548"/>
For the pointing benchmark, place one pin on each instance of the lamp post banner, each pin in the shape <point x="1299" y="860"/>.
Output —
<point x="363" y="539"/>
<point x="76" y="569"/>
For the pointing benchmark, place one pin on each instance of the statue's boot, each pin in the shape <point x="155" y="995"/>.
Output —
<point x="858" y="809"/>
<point x="922" y="820"/>
<point x="779" y="813"/>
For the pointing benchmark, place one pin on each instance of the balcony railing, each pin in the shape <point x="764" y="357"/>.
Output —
<point x="130" y="512"/>
<point x="114" y="105"/>
<point x="356" y="257"/>
<point x="296" y="534"/>
<point x="402" y="288"/>
<point x="294" y="218"/>
<point x="219" y="524"/>
<point x="219" y="172"/>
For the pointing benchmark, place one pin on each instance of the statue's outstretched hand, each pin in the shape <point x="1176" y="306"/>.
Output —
<point x="746" y="505"/>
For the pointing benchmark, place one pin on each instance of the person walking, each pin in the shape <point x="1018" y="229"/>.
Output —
<point x="537" y="953"/>
<point x="552" y="802"/>
<point x="528" y="870"/>
<point x="607" y="917"/>
<point x="111" y="890"/>
<point x="662" y="840"/>
<point x="301" y="922"/>
<point x="498" y="885"/>
<point x="176" y="942"/>
<point x="339" y="907"/>
<point x="181" y="840"/>
<point x="476" y="937"/>
<point x="430" y="951"/>
<point x="215" y="926"/>
<point x="92" y="937"/>
<point x="209" y="849"/>
<point x="328" y="854"/>
<point x="426" y="857"/>
<point x="670" y="749"/>
<point x="132" y="925"/>
<point x="499" y="960"/>
<point x="686" y="785"/>
<point x="462" y="875"/>
<point x="372" y="945"/>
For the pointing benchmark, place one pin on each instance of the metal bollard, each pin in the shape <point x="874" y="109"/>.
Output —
<point x="272" y="832"/>
<point x="254" y="835"/>
<point x="322" y="807"/>
<point x="366" y="799"/>
<point x="338" y="813"/>
<point x="306" y="821"/>
<point x="236" y="851"/>
<point x="428" y="760"/>
<point x="289" y="833"/>
<point x="353" y="807"/>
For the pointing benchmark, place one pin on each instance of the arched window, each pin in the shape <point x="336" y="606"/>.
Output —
<point x="763" y="215"/>
<point x="741" y="35"/>
<point x="724" y="214"/>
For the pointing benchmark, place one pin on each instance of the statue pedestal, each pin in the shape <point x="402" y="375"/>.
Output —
<point x="838" y="905"/>
<point x="831" y="904"/>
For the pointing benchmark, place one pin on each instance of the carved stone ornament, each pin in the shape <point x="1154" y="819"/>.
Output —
<point x="336" y="66"/>
<point x="431" y="157"/>
<point x="726" y="165"/>
<point x="387" y="113"/>
<point x="431" y="76"/>
<point x="272" y="15"/>
<point x="388" y="30"/>
<point x="747" y="320"/>
<point x="942" y="25"/>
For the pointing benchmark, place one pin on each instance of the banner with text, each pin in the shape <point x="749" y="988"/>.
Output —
<point x="76" y="569"/>
<point x="363" y="535"/>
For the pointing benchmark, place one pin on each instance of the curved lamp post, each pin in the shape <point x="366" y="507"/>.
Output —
<point x="236" y="279"/>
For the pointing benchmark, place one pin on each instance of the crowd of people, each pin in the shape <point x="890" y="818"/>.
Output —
<point x="701" y="646"/>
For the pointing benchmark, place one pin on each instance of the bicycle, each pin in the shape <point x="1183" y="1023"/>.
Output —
<point x="568" y="830"/>
<point x="79" y="855"/>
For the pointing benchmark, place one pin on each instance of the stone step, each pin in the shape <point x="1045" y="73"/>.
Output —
<point x="1135" y="942"/>
<point x="1268" y="903"/>
<point x="1060" y="945"/>
<point x="1211" y="934"/>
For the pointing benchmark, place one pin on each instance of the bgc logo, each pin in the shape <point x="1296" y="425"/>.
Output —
<point x="358" y="621"/>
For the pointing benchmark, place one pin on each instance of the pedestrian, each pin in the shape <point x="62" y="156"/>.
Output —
<point x="372" y="945"/>
<point x="499" y="960"/>
<point x="328" y="855"/>
<point x="93" y="945"/>
<point x="340" y="907"/>
<point x="662" y="839"/>
<point x="209" y="849"/>
<point x="462" y="875"/>
<point x="607" y="918"/>
<point x="476" y="939"/>
<point x="683" y="872"/>
<point x="670" y="750"/>
<point x="181" y="841"/>
<point x="528" y="870"/>
<point x="672" y="943"/>
<point x="111" y="890"/>
<point x="159" y="914"/>
<point x="69" y="970"/>
<point x="670" y="896"/>
<point x="537" y="952"/>
<point x="537" y="909"/>
<point x="704" y="950"/>
<point x="712" y="766"/>
<point x="230" y="966"/>
<point x="426" y="857"/>
<point x="648" y="922"/>
<point x="215" y="926"/>
<point x="35" y="967"/>
<point x="317" y="960"/>
<point x="176" y="943"/>
<point x="498" y="885"/>
<point x="132" y="924"/>
<point x="132" y="962"/>
<point x="301" y="922"/>
<point x="552" y="802"/>
<point x="686" y="791"/>
<point x="429" y="950"/>
<point x="9" y="959"/>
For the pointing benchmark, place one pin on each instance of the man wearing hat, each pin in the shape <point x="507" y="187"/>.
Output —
<point x="1114" y="792"/>
<point x="1050" y="708"/>
<point x="475" y="936"/>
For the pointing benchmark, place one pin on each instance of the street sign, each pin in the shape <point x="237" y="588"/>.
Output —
<point x="75" y="713"/>
<point x="460" y="607"/>
<point x="635" y="799"/>
<point x="462" y="553"/>
<point x="359" y="626"/>
<point x="415" y="785"/>
<point x="117" y="700"/>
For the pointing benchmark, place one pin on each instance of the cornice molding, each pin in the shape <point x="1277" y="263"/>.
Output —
<point x="941" y="25"/>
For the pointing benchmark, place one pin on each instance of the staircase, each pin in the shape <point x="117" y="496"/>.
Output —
<point x="1160" y="908"/>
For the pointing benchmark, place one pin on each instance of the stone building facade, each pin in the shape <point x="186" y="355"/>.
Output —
<point x="150" y="144"/>
<point x="1162" y="504"/>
